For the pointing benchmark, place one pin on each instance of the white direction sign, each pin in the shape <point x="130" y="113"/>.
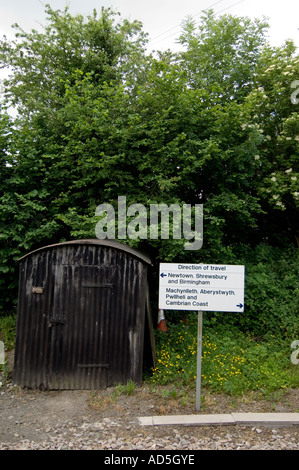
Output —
<point x="205" y="287"/>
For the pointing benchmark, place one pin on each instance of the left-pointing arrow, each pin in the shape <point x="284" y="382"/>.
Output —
<point x="163" y="275"/>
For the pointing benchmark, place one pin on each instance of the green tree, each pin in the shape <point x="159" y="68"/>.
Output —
<point x="110" y="121"/>
<point x="224" y="51"/>
<point x="42" y="62"/>
<point x="275" y="115"/>
<point x="45" y="175"/>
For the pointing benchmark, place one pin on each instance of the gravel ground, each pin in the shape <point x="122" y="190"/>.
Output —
<point x="108" y="420"/>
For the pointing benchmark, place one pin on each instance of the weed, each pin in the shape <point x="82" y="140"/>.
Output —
<point x="5" y="372"/>
<point x="127" y="389"/>
<point x="8" y="331"/>
<point x="232" y="362"/>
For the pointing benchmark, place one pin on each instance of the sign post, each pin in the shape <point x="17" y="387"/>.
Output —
<point x="198" y="369"/>
<point x="201" y="287"/>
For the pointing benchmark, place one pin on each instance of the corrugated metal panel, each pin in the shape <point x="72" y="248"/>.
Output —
<point x="81" y="316"/>
<point x="92" y="241"/>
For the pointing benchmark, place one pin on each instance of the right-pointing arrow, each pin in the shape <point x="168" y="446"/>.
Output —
<point x="239" y="305"/>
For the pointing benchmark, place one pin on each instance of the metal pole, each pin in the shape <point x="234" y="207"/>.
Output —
<point x="199" y="350"/>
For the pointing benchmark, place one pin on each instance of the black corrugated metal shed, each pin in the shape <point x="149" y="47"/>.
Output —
<point x="81" y="315"/>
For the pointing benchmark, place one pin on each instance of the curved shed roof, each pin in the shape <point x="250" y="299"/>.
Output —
<point x="96" y="241"/>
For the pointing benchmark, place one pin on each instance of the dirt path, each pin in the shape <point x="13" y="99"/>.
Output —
<point x="109" y="420"/>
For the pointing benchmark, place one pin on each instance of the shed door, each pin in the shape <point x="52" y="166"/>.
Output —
<point x="79" y="326"/>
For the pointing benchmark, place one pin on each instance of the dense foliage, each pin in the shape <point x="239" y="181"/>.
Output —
<point x="97" y="118"/>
